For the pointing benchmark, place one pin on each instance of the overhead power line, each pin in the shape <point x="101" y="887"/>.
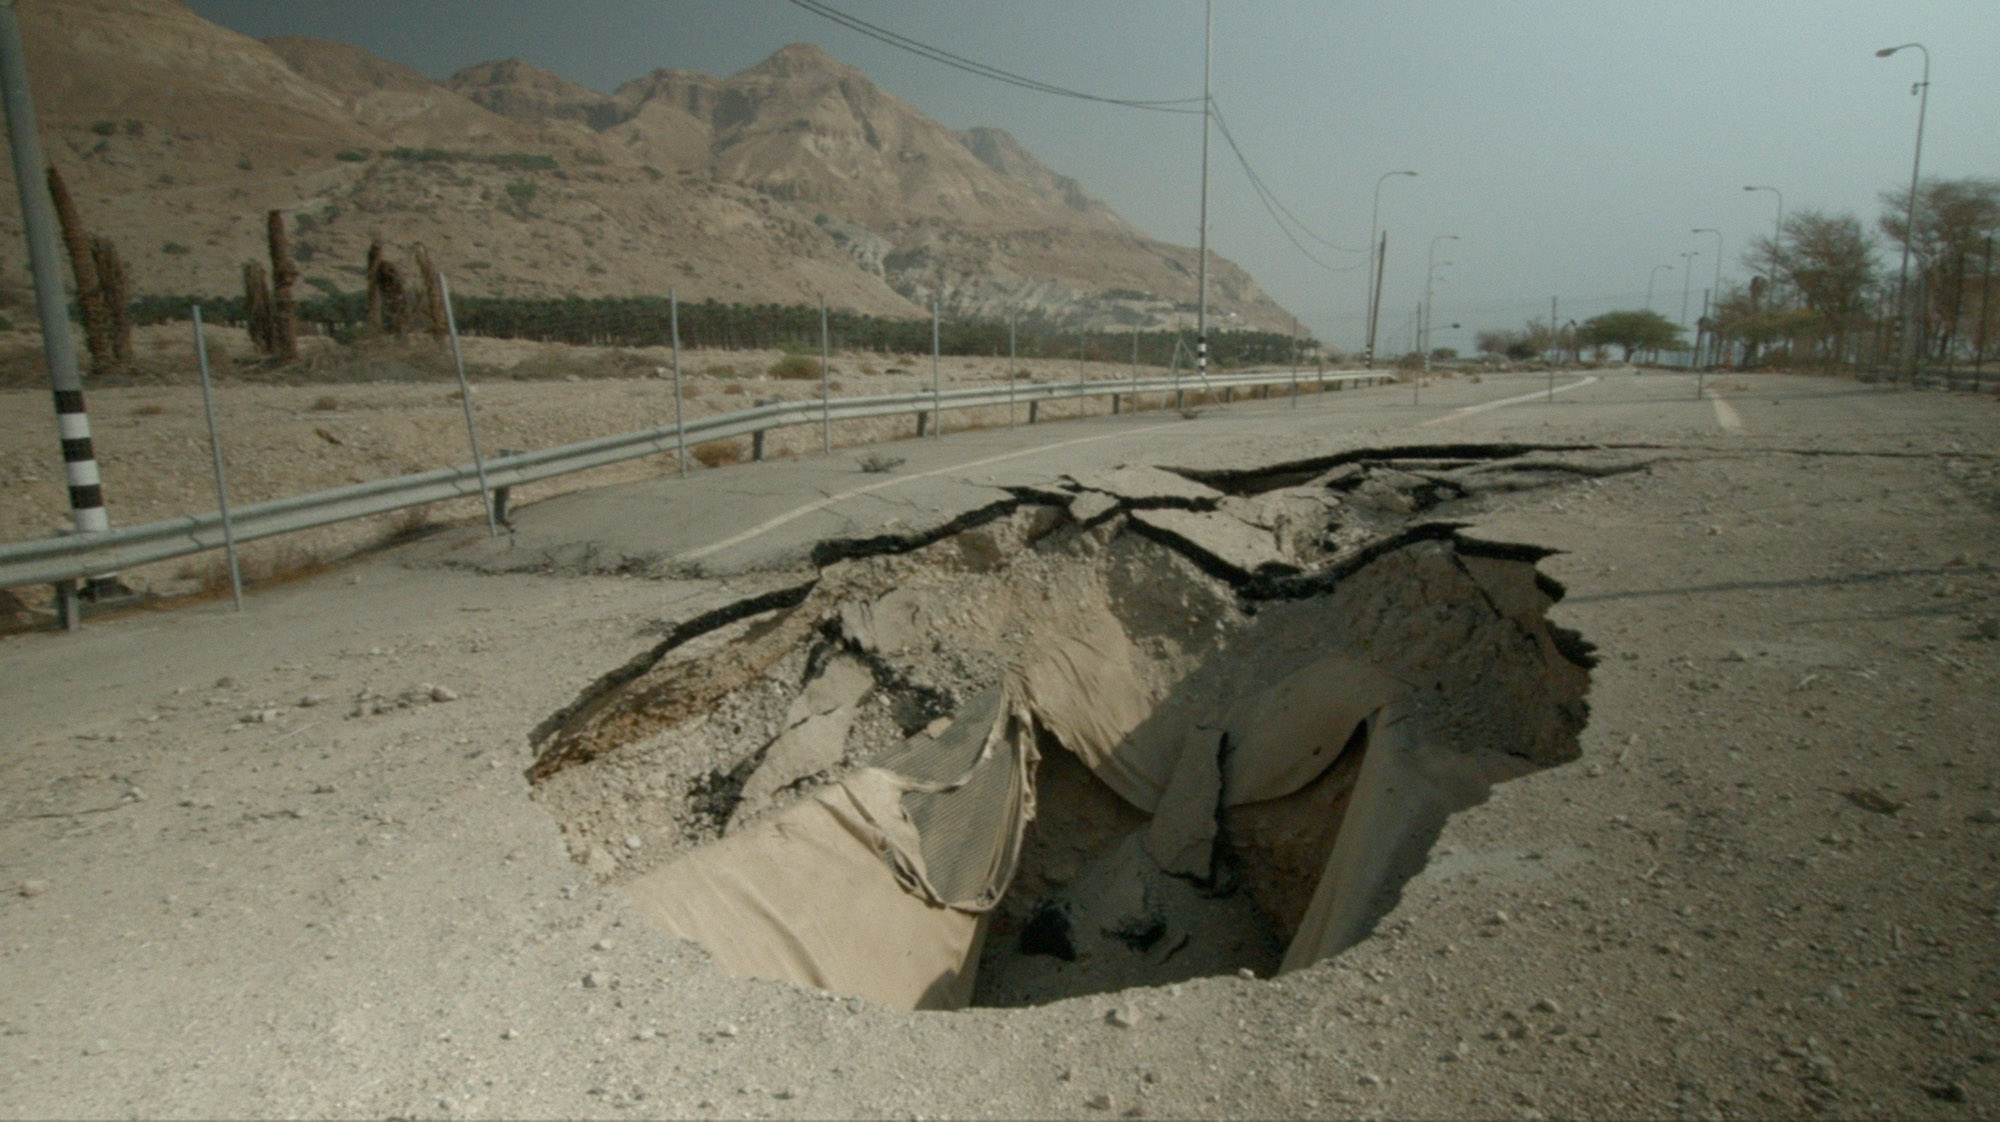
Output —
<point x="971" y="66"/>
<point x="1278" y="211"/>
<point x="1280" y="214"/>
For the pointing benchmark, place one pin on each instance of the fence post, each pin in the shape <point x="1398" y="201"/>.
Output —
<point x="1012" y="362"/>
<point x="825" y="384"/>
<point x="680" y="420"/>
<point x="937" y="395"/>
<point x="465" y="397"/>
<point x="215" y="453"/>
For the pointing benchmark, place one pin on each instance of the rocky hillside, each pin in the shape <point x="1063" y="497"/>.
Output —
<point x="793" y="179"/>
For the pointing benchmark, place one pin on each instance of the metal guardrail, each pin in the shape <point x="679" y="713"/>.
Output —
<point x="83" y="556"/>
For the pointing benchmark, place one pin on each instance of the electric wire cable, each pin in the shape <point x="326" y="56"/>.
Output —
<point x="972" y="66"/>
<point x="1279" y="212"/>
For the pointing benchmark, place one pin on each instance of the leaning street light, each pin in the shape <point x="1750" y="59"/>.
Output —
<point x="1368" y="298"/>
<point x="1717" y="290"/>
<point x="1923" y="88"/>
<point x="1777" y="233"/>
<point x="1430" y="269"/>
<point x="1718" y="257"/>
<point x="1687" y="272"/>
<point x="1649" y="283"/>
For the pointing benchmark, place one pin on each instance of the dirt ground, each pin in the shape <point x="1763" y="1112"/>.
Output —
<point x="286" y="863"/>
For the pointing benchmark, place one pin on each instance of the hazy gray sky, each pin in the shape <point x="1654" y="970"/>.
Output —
<point x="1571" y="146"/>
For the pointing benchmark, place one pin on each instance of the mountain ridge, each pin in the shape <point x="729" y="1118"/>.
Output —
<point x="794" y="179"/>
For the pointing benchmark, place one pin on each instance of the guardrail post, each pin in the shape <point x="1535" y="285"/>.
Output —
<point x="757" y="438"/>
<point x="1034" y="407"/>
<point x="503" y="492"/>
<point x="69" y="605"/>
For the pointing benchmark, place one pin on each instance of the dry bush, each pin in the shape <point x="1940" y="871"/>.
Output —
<point x="150" y="409"/>
<point x="406" y="524"/>
<point x="733" y="388"/>
<point x="281" y="564"/>
<point x="717" y="453"/>
<point x="796" y="368"/>
<point x="720" y="370"/>
<point x="325" y="403"/>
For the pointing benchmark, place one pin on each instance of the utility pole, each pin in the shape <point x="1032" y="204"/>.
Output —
<point x="1985" y="291"/>
<point x="86" y="492"/>
<point x="1381" y="253"/>
<point x="1201" y="263"/>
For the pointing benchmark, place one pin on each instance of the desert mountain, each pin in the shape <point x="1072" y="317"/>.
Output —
<point x="790" y="180"/>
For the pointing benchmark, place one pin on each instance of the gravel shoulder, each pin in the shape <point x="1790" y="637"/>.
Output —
<point x="286" y="862"/>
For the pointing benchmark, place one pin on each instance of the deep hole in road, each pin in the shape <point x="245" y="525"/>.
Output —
<point x="1126" y="729"/>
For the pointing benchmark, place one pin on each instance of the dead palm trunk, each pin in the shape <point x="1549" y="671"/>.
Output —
<point x="116" y="298"/>
<point x="257" y="307"/>
<point x="98" y="336"/>
<point x="284" y="274"/>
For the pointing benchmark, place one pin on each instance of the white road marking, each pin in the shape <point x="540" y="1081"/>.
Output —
<point x="770" y="524"/>
<point x="1467" y="411"/>
<point x="1725" y="414"/>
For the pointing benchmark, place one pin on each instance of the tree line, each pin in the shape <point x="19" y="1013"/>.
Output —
<point x="1826" y="291"/>
<point x="648" y="321"/>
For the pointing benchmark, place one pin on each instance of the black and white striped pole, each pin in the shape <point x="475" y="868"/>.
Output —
<point x="1201" y="251"/>
<point x="86" y="492"/>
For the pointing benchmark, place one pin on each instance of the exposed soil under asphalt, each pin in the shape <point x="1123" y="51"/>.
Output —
<point x="366" y="848"/>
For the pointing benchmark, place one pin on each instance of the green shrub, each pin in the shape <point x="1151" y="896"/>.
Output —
<point x="104" y="128"/>
<point x="521" y="191"/>
<point x="351" y="155"/>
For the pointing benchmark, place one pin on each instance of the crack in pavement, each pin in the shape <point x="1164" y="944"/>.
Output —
<point x="795" y="514"/>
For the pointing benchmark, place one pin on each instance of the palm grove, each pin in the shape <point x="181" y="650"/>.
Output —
<point x="1825" y="293"/>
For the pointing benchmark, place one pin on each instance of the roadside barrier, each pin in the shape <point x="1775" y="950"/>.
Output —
<point x="79" y="557"/>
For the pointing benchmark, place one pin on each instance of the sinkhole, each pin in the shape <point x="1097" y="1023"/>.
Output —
<point x="1126" y="729"/>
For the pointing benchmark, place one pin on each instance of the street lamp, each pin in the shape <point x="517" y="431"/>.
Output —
<point x="1368" y="299"/>
<point x="1717" y="290"/>
<point x="1687" y="274"/>
<point x="1430" y="268"/>
<point x="1777" y="234"/>
<point x="1649" y="283"/>
<point x="1923" y="88"/>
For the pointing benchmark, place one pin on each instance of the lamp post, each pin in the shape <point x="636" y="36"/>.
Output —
<point x="1717" y="290"/>
<point x="1777" y="233"/>
<point x="1430" y="268"/>
<point x="1649" y="283"/>
<point x="1687" y="274"/>
<point x="1368" y="298"/>
<point x="1923" y="89"/>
